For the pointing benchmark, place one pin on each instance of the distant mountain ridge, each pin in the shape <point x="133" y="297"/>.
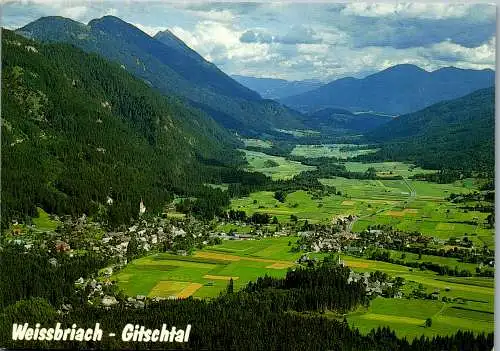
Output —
<point x="170" y="66"/>
<point x="271" y="88"/>
<point x="396" y="90"/>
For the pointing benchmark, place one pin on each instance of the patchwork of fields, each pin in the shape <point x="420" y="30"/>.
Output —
<point x="275" y="167"/>
<point x="405" y="204"/>
<point x="340" y="151"/>
<point x="206" y="273"/>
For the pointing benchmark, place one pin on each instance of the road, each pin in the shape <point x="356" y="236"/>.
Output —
<point x="412" y="195"/>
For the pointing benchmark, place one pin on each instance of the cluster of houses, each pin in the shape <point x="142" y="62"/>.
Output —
<point x="375" y="287"/>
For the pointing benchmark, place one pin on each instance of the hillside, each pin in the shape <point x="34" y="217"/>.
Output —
<point x="455" y="134"/>
<point x="397" y="90"/>
<point x="271" y="88"/>
<point x="334" y="120"/>
<point x="168" y="65"/>
<point x="77" y="129"/>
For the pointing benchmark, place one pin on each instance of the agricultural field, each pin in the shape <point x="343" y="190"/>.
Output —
<point x="407" y="317"/>
<point x="379" y="202"/>
<point x="331" y="150"/>
<point x="429" y="213"/>
<point x="409" y="205"/>
<point x="387" y="168"/>
<point x="299" y="203"/>
<point x="274" y="166"/>
<point x="206" y="273"/>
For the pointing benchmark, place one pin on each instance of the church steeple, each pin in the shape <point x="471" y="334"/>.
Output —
<point x="142" y="208"/>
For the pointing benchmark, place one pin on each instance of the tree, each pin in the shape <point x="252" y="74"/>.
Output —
<point x="230" y="286"/>
<point x="280" y="195"/>
<point x="428" y="322"/>
<point x="491" y="219"/>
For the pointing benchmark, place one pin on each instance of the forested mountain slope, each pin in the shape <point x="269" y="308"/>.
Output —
<point x="170" y="68"/>
<point x="335" y="120"/>
<point x="77" y="129"/>
<point x="455" y="134"/>
<point x="396" y="90"/>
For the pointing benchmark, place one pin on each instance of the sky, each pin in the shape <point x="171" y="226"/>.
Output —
<point x="298" y="41"/>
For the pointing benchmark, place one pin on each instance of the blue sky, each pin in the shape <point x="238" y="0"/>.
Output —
<point x="298" y="41"/>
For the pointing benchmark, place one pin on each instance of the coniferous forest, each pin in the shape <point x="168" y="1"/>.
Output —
<point x="77" y="129"/>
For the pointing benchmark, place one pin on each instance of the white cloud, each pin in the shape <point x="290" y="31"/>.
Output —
<point x="151" y="30"/>
<point x="300" y="41"/>
<point x="408" y="10"/>
<point x="213" y="15"/>
<point x="482" y="56"/>
<point x="76" y="12"/>
<point x="218" y="42"/>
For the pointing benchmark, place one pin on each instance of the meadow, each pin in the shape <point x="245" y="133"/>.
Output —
<point x="257" y="143"/>
<point x="405" y="204"/>
<point x="331" y="150"/>
<point x="387" y="168"/>
<point x="205" y="274"/>
<point x="275" y="167"/>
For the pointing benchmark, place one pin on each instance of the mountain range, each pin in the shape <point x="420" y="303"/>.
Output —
<point x="77" y="128"/>
<point x="272" y="88"/>
<point x="170" y="66"/>
<point x="396" y="90"/>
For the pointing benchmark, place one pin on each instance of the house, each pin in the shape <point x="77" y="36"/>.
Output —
<point x="62" y="246"/>
<point x="109" y="301"/>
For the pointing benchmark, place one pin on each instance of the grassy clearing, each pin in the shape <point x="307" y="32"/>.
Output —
<point x="330" y="150"/>
<point x="258" y="143"/>
<point x="43" y="222"/>
<point x="274" y="166"/>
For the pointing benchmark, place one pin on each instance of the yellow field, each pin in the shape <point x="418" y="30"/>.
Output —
<point x="280" y="265"/>
<point x="221" y="256"/>
<point x="189" y="290"/>
<point x="445" y="226"/>
<point x="355" y="264"/>
<point x="395" y="213"/>
<point x="220" y="277"/>
<point x="348" y="203"/>
<point x="167" y="288"/>
<point x="392" y="318"/>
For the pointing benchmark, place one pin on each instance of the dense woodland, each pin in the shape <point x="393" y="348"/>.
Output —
<point x="77" y="129"/>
